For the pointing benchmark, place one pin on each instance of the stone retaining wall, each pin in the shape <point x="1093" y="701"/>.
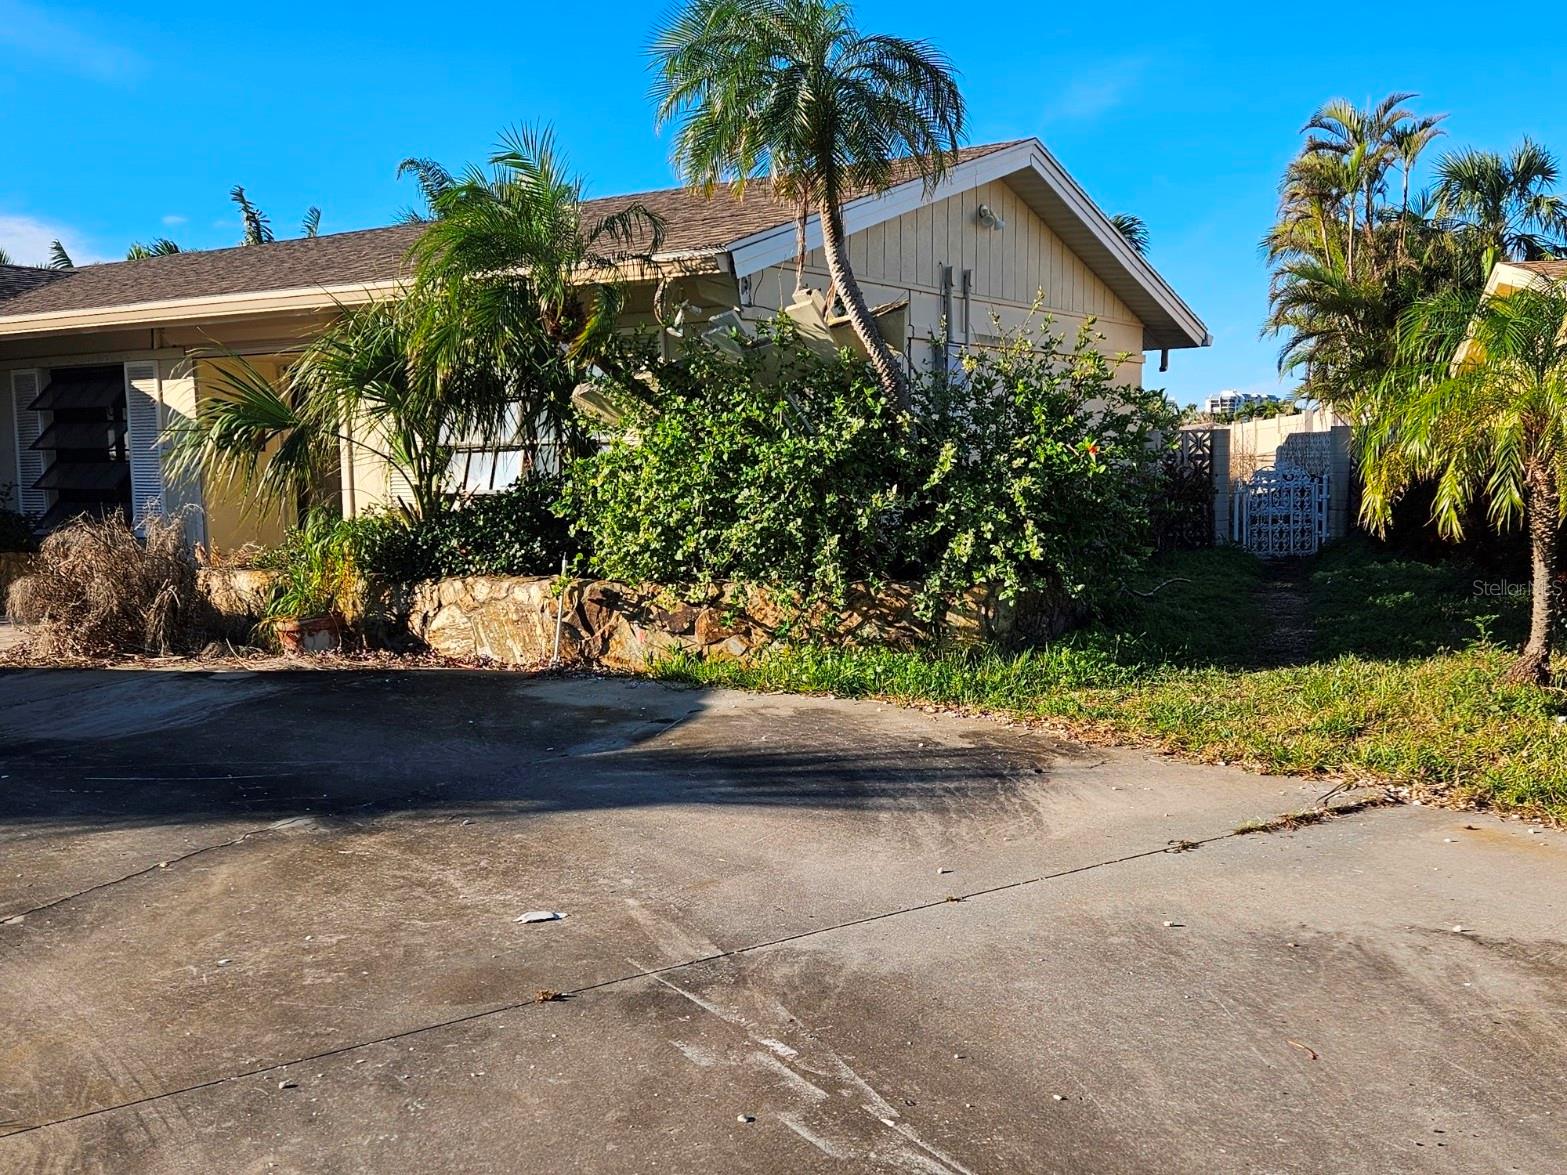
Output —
<point x="513" y="620"/>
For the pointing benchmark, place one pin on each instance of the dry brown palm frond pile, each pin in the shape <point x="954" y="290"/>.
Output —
<point x="98" y="590"/>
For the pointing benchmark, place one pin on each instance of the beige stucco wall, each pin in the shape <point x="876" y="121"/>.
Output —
<point x="217" y="517"/>
<point x="1243" y="447"/>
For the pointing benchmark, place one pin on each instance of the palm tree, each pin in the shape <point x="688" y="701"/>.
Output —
<point x="1133" y="229"/>
<point x="362" y="384"/>
<point x="258" y="227"/>
<point x="1365" y="140"/>
<point x="160" y="247"/>
<point x="5" y="258"/>
<point x="1478" y="402"/>
<point x="58" y="257"/>
<point x="311" y="225"/>
<point x="1506" y="200"/>
<point x="512" y="276"/>
<point x="1409" y="141"/>
<point x="791" y="91"/>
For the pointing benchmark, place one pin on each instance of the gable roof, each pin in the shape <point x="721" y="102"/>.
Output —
<point x="755" y="230"/>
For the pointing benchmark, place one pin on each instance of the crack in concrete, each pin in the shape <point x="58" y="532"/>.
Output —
<point x="602" y="985"/>
<point x="19" y="916"/>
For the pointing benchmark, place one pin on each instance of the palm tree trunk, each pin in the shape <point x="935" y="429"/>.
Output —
<point x="802" y="216"/>
<point x="888" y="370"/>
<point x="1403" y="216"/>
<point x="1534" y="665"/>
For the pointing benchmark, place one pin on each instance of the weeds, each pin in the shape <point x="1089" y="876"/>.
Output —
<point x="96" y="590"/>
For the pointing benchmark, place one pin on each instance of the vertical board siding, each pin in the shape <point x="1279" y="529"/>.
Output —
<point x="1014" y="265"/>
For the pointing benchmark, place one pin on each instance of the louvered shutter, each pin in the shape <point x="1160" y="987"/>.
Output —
<point x="29" y="426"/>
<point x="144" y="440"/>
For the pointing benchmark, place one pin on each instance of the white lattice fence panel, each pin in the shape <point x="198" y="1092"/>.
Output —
<point x="1281" y="512"/>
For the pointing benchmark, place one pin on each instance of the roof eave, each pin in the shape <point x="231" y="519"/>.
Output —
<point x="254" y="303"/>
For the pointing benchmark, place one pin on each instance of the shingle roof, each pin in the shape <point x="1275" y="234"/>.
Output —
<point x="1552" y="269"/>
<point x="14" y="279"/>
<point x="339" y="259"/>
<point x="693" y="224"/>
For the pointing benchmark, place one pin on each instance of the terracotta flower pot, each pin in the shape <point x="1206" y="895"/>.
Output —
<point x="313" y="634"/>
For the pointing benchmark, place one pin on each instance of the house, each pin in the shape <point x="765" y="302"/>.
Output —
<point x="1507" y="276"/>
<point x="96" y="361"/>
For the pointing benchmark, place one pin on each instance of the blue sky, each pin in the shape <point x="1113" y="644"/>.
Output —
<point x="125" y="122"/>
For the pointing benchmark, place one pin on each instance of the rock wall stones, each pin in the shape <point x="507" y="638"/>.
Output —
<point x="513" y="620"/>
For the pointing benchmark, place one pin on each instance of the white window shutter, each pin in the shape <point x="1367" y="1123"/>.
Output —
<point x="29" y="426"/>
<point x="144" y="440"/>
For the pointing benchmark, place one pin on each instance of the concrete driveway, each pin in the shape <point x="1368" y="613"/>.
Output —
<point x="268" y="922"/>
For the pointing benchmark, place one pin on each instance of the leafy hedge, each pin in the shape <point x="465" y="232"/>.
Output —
<point x="514" y="532"/>
<point x="1026" y="469"/>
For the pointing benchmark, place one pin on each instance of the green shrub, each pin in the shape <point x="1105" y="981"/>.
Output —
<point x="774" y="466"/>
<point x="1036" y="471"/>
<point x="315" y="568"/>
<point x="514" y="532"/>
<point x="16" y="529"/>
<point x="1026" y="470"/>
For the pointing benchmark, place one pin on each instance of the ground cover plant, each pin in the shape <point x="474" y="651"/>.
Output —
<point x="1417" y="696"/>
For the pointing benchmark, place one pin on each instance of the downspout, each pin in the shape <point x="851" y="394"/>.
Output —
<point x="948" y="315"/>
<point x="968" y="307"/>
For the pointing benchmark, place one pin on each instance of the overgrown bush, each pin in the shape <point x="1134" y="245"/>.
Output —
<point x="1026" y="470"/>
<point x="98" y="590"/>
<point x="514" y="532"/>
<point x="772" y="466"/>
<point x="1036" y="471"/>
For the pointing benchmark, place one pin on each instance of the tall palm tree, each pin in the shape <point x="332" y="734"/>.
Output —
<point x="1478" y="402"/>
<point x="1133" y="229"/>
<point x="159" y="247"/>
<point x="5" y="258"/>
<point x="310" y="226"/>
<point x="791" y="91"/>
<point x="1507" y="200"/>
<point x="1409" y="140"/>
<point x="58" y="257"/>
<point x="1365" y="140"/>
<point x="513" y="276"/>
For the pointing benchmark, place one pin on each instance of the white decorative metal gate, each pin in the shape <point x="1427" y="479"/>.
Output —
<point x="1281" y="512"/>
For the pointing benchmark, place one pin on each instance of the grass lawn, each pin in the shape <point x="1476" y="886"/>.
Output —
<point x="1403" y="683"/>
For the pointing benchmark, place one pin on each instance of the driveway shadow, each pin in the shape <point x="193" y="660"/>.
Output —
<point x="92" y="749"/>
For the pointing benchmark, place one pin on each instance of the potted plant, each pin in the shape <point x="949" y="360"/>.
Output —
<point x="316" y="584"/>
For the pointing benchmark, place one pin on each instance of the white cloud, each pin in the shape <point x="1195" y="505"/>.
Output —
<point x="1087" y="96"/>
<point x="174" y="219"/>
<point x="26" y="241"/>
<point x="32" y="31"/>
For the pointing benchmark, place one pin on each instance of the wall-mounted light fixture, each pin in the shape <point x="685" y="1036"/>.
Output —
<point x="985" y="216"/>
